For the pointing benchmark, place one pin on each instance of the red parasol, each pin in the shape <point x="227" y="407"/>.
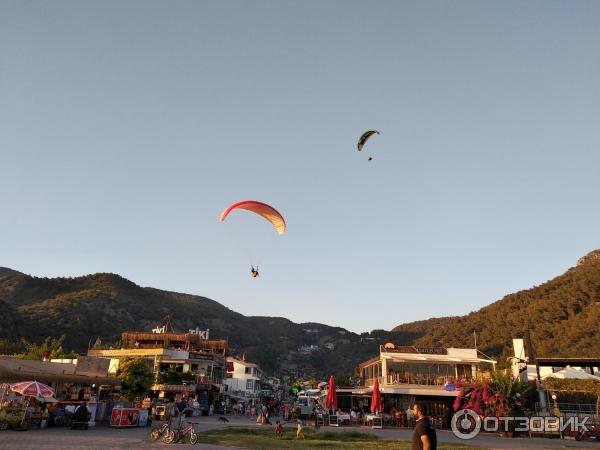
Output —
<point x="331" y="402"/>
<point x="32" y="389"/>
<point x="376" y="398"/>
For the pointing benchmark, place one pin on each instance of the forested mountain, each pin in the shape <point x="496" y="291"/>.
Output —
<point x="563" y="315"/>
<point x="104" y="305"/>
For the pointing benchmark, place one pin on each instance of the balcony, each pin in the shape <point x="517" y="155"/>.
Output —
<point x="417" y="379"/>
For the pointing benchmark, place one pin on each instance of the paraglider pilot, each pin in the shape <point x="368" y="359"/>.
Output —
<point x="254" y="272"/>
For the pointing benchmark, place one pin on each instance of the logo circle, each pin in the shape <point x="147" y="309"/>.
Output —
<point x="465" y="424"/>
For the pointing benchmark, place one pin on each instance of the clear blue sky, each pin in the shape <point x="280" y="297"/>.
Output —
<point x="127" y="127"/>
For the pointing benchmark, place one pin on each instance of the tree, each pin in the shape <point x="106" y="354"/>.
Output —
<point x="9" y="348"/>
<point x="50" y="346"/>
<point x="573" y="390"/>
<point x="501" y="395"/>
<point x="135" y="376"/>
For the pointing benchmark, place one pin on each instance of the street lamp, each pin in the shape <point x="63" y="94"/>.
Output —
<point x="556" y="410"/>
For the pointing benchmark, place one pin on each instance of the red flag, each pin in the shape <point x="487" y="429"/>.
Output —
<point x="331" y="402"/>
<point x="376" y="406"/>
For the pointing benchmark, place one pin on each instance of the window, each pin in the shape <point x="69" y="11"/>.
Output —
<point x="249" y="385"/>
<point x="248" y="370"/>
<point x="229" y="366"/>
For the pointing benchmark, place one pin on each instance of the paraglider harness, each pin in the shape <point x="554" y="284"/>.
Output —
<point x="254" y="272"/>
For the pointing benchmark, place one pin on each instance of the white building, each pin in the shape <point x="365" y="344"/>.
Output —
<point x="243" y="378"/>
<point x="522" y="367"/>
<point x="406" y="374"/>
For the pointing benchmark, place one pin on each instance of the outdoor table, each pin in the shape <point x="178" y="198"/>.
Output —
<point x="34" y="418"/>
<point x="369" y="417"/>
<point x="344" y="417"/>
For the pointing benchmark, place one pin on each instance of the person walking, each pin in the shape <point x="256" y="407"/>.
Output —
<point x="424" y="436"/>
<point x="409" y="417"/>
<point x="300" y="430"/>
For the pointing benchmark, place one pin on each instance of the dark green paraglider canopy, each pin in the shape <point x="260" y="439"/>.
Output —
<point x="365" y="136"/>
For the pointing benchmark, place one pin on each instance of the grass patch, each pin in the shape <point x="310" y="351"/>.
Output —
<point x="264" y="439"/>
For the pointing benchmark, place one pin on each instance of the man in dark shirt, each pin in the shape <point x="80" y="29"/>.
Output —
<point x="181" y="405"/>
<point x="424" y="436"/>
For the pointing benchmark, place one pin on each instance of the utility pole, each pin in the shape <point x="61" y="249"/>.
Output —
<point x="533" y="358"/>
<point x="532" y="355"/>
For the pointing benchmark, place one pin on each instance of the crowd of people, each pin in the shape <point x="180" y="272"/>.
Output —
<point x="424" y="435"/>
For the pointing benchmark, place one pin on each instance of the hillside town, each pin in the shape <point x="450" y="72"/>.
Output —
<point x="299" y="225"/>
<point x="189" y="368"/>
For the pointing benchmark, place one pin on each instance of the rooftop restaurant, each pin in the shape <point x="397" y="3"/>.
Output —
<point x="183" y="363"/>
<point x="401" y="369"/>
<point x="407" y="374"/>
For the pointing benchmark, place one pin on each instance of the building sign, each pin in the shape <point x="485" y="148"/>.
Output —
<point x="431" y="351"/>
<point x="203" y="334"/>
<point x="92" y="366"/>
<point x="160" y="330"/>
<point x="124" y="417"/>
<point x="418" y="350"/>
<point x="377" y="422"/>
<point x="202" y="356"/>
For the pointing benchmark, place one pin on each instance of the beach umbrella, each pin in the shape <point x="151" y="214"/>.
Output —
<point x="331" y="402"/>
<point x="570" y="372"/>
<point x="376" y="406"/>
<point x="32" y="389"/>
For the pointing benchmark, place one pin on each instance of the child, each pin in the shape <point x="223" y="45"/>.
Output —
<point x="278" y="429"/>
<point x="300" y="430"/>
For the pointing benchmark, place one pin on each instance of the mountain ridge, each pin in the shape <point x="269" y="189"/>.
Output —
<point x="563" y="315"/>
<point x="105" y="304"/>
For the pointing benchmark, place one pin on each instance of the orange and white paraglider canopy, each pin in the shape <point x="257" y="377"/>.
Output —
<point x="262" y="209"/>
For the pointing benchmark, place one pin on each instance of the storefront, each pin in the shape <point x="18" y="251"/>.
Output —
<point x="73" y="382"/>
<point x="408" y="374"/>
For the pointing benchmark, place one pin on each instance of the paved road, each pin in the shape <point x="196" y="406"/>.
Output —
<point x="101" y="437"/>
<point x="105" y="438"/>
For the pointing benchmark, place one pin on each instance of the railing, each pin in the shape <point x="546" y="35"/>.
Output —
<point x="568" y="408"/>
<point x="419" y="379"/>
<point x="371" y="381"/>
<point x="412" y="380"/>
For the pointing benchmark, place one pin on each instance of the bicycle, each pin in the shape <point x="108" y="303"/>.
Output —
<point x="159" y="431"/>
<point x="179" y="433"/>
<point x="593" y="431"/>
